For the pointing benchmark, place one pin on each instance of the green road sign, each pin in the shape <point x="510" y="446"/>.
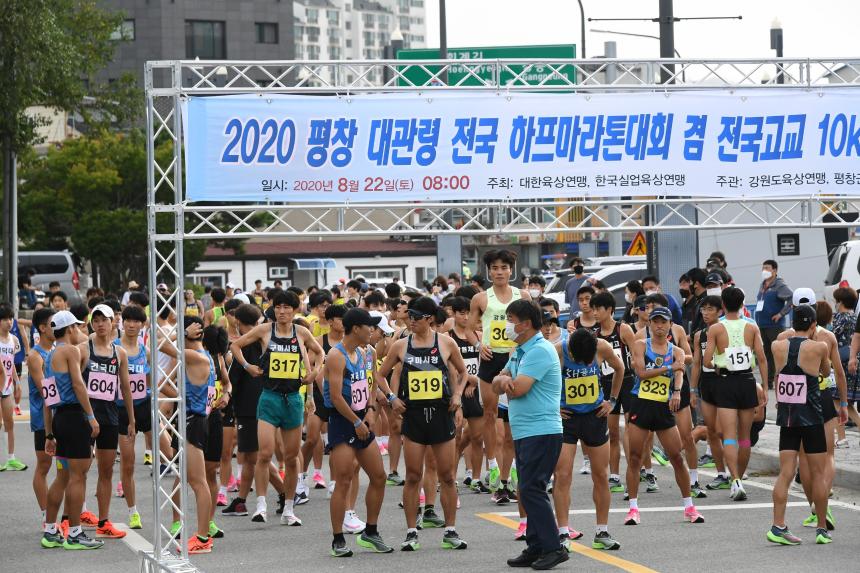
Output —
<point x="529" y="74"/>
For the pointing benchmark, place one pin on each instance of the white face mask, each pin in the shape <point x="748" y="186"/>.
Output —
<point x="650" y="292"/>
<point x="765" y="275"/>
<point x="510" y="330"/>
<point x="534" y="292"/>
<point x="629" y="298"/>
<point x="714" y="291"/>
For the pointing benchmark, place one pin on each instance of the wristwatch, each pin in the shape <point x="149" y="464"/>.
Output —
<point x="613" y="401"/>
<point x="391" y="397"/>
<point x="49" y="436"/>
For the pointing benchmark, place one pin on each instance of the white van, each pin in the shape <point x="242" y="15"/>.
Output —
<point x="844" y="268"/>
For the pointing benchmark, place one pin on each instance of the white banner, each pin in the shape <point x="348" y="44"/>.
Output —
<point x="474" y="146"/>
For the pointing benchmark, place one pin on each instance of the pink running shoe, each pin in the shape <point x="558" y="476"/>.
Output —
<point x="319" y="481"/>
<point x="383" y="449"/>
<point x="692" y="515"/>
<point x="233" y="485"/>
<point x="421" y="498"/>
<point x="632" y="517"/>
<point x="119" y="492"/>
<point x="221" y="500"/>
<point x="520" y="535"/>
<point x="574" y="534"/>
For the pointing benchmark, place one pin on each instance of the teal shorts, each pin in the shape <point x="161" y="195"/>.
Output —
<point x="285" y="411"/>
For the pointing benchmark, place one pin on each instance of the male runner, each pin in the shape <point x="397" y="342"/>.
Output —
<point x="659" y="367"/>
<point x="42" y="397"/>
<point x="318" y="302"/>
<point x="216" y="314"/>
<point x="585" y="318"/>
<point x="9" y="347"/>
<point x="292" y="358"/>
<point x="799" y="362"/>
<point x="429" y="395"/>
<point x="584" y="409"/>
<point x="734" y="344"/>
<point x="488" y="314"/>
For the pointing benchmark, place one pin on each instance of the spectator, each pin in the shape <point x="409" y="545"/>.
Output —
<point x="632" y="291"/>
<point x="716" y="260"/>
<point x="258" y="289"/>
<point x="687" y="301"/>
<point x="439" y="289"/>
<point x="353" y="290"/>
<point x="58" y="300"/>
<point x="53" y="286"/>
<point x="536" y="286"/>
<point x="844" y="320"/>
<point x="26" y="293"/>
<point x="206" y="299"/>
<point x="392" y="290"/>
<point x="454" y="282"/>
<point x="773" y="304"/>
<point x="279" y="284"/>
<point x="698" y="280"/>
<point x="479" y="282"/>
<point x="651" y="284"/>
<point x="132" y="287"/>
<point x="571" y="287"/>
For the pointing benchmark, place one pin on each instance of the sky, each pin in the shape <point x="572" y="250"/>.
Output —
<point x="823" y="28"/>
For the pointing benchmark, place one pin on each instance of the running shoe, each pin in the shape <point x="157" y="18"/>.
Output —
<point x="697" y="491"/>
<point x="603" y="541"/>
<point x="632" y="517"/>
<point x="215" y="532"/>
<point x="282" y="500"/>
<point x="394" y="479"/>
<point x="89" y="519"/>
<point x="467" y="482"/>
<point x="52" y="540"/>
<point x="738" y="491"/>
<point x="195" y="545"/>
<point x="692" y="515"/>
<point x="260" y="514"/>
<point x="842" y="444"/>
<point x="330" y="490"/>
<point x="119" y="491"/>
<point x="174" y="529"/>
<point x="501" y="497"/>
<point x="719" y="482"/>
<point x="374" y="542"/>
<point x="658" y="454"/>
<point x="17" y="410"/>
<point x="515" y="478"/>
<point x="147" y="458"/>
<point x="290" y="519"/>
<point x="822" y="536"/>
<point x="134" y="521"/>
<point x="586" y="466"/>
<point x="15" y="465"/>
<point x="352" y="524"/>
<point x="237" y="507"/>
<point x="431" y="519"/>
<point x="615" y="485"/>
<point x="706" y="461"/>
<point x="339" y="549"/>
<point x="319" y="480"/>
<point x="81" y="542"/>
<point x="495" y="479"/>
<point x="383" y="451"/>
<point x="479" y="487"/>
<point x="452" y="541"/>
<point x="410" y="543"/>
<point x="520" y="535"/>
<point x="782" y="536"/>
<point x="566" y="539"/>
<point x="221" y="500"/>
<point x="641" y="475"/>
<point x="301" y="498"/>
<point x="109" y="531"/>
<point x="512" y="493"/>
<point x="651" y="481"/>
<point x="64" y="528"/>
<point x="233" y="485"/>
<point x="812" y="520"/>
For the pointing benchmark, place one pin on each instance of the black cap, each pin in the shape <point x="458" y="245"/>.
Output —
<point x="660" y="312"/>
<point x="640" y="301"/>
<point x="425" y="305"/>
<point x="358" y="317"/>
<point x="714" y="278"/>
<point x="803" y="317"/>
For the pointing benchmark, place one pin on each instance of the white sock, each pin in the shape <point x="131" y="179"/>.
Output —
<point x="602" y="529"/>
<point x="688" y="502"/>
<point x="43" y="513"/>
<point x="261" y="503"/>
<point x="324" y="436"/>
<point x="615" y="476"/>
<point x="317" y="472"/>
<point x="708" y="450"/>
<point x="649" y="471"/>
<point x="694" y="476"/>
<point x="379" y="440"/>
<point x="721" y="474"/>
<point x="513" y="464"/>
<point x="634" y="503"/>
<point x="50" y="528"/>
<point x="75" y="531"/>
<point x="492" y="463"/>
<point x="449" y="529"/>
<point x="412" y="530"/>
<point x="132" y="510"/>
<point x="564" y="531"/>
<point x="84" y="507"/>
<point x="222" y="490"/>
<point x="11" y="457"/>
<point x="288" y="507"/>
<point x="469" y="474"/>
<point x="524" y="520"/>
<point x="147" y="452"/>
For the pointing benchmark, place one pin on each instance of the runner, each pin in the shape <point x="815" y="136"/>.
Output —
<point x="352" y="408"/>
<point x="799" y="362"/>
<point x="216" y="343"/>
<point x="42" y="396"/>
<point x="488" y="315"/>
<point x="9" y="347"/>
<point x="429" y="394"/>
<point x="584" y="411"/>
<point x="292" y="358"/>
<point x="659" y="367"/>
<point x="733" y="347"/>
<point x="216" y="314"/>
<point x="318" y="303"/>
<point x="105" y="367"/>
<point x="75" y="426"/>
<point x="585" y="318"/>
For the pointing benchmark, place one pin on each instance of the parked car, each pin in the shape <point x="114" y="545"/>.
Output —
<point x="614" y="260"/>
<point x="50" y="266"/>
<point x="615" y="277"/>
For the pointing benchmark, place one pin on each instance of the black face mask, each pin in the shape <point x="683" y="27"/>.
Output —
<point x="685" y="293"/>
<point x="577" y="270"/>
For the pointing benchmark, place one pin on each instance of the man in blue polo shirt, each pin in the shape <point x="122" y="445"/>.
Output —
<point x="532" y="381"/>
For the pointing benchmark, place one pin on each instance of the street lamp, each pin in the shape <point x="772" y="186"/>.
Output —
<point x="776" y="44"/>
<point x="582" y="26"/>
<point x="677" y="54"/>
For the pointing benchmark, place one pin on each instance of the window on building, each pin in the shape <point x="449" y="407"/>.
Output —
<point x="267" y="32"/>
<point x="124" y="31"/>
<point x="418" y="3"/>
<point x="424" y="274"/>
<point x="368" y="20"/>
<point x="403" y="5"/>
<point x="347" y="7"/>
<point x="416" y="21"/>
<point x="378" y="274"/>
<point x="348" y="43"/>
<point x="205" y="40"/>
<point x="335" y="53"/>
<point x="313" y="15"/>
<point x="299" y="51"/>
<point x="333" y="17"/>
<point x="313" y="33"/>
<point x="348" y="25"/>
<point x="369" y="38"/>
<point x="313" y="52"/>
<point x="382" y="37"/>
<point x="383" y="21"/>
<point x="404" y="22"/>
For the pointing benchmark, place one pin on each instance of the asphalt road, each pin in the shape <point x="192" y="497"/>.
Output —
<point x="732" y="539"/>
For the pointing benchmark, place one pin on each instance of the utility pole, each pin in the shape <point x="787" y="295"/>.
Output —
<point x="776" y="44"/>
<point x="10" y="224"/>
<point x="610" y="51"/>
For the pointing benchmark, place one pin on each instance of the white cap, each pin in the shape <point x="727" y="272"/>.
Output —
<point x="803" y="295"/>
<point x="104" y="309"/>
<point x="242" y="297"/>
<point x="383" y="322"/>
<point x="63" y="319"/>
<point x="161" y="286"/>
<point x="230" y="285"/>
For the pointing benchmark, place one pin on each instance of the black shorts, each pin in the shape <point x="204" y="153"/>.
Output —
<point x="736" y="391"/>
<point x="472" y="406"/>
<point x="828" y="408"/>
<point x="685" y="393"/>
<point x="651" y="415"/>
<point x="426" y="426"/>
<point x="72" y="431"/>
<point x="322" y="412"/>
<point x="593" y="431"/>
<point x="228" y="415"/>
<point x="624" y="397"/>
<point x="503" y="415"/>
<point x="756" y="429"/>
<point x="489" y="369"/>
<point x="707" y="383"/>
<point x="214" y="436"/>
<point x="142" y="418"/>
<point x="341" y="431"/>
<point x="196" y="430"/>
<point x="19" y="368"/>
<point x="108" y="438"/>
<point x="246" y="434"/>
<point x="812" y="438"/>
<point x="39" y="440"/>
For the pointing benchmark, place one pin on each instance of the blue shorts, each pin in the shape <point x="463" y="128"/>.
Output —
<point x="341" y="431"/>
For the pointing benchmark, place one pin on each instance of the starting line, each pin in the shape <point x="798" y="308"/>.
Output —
<point x="667" y="508"/>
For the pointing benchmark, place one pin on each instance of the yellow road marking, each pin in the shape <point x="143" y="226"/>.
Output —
<point x="602" y="556"/>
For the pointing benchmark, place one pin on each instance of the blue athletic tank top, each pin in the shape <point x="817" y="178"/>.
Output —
<point x="137" y="364"/>
<point x="353" y="374"/>
<point x="196" y="397"/>
<point x="662" y="389"/>
<point x="63" y="380"/>
<point x="37" y="403"/>
<point x="581" y="391"/>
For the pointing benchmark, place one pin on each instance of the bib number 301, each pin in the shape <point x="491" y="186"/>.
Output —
<point x="581" y="390"/>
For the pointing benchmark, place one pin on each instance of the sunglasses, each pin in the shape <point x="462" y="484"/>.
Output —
<point x="416" y="314"/>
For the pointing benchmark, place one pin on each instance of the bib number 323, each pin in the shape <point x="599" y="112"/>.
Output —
<point x="655" y="389"/>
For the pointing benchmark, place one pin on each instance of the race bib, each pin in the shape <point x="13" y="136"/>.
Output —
<point x="582" y="390"/>
<point x="605" y="368"/>
<point x="284" y="365"/>
<point x="50" y="392"/>
<point x="211" y="398"/>
<point x="472" y="366"/>
<point x="102" y="386"/>
<point x="791" y="389"/>
<point x="759" y="306"/>
<point x="360" y="392"/>
<point x="498" y="337"/>
<point x="425" y="385"/>
<point x="138" y="386"/>
<point x="655" y="389"/>
<point x="9" y="365"/>
<point x="738" y="358"/>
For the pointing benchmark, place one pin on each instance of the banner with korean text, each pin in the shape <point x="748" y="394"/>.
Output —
<point x="478" y="146"/>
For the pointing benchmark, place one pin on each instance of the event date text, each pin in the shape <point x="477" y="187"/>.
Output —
<point x="367" y="184"/>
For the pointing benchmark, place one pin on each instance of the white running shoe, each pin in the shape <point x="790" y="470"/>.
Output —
<point x="260" y="513"/>
<point x="290" y="519"/>
<point x="586" y="466"/>
<point x="330" y="490"/>
<point x="352" y="524"/>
